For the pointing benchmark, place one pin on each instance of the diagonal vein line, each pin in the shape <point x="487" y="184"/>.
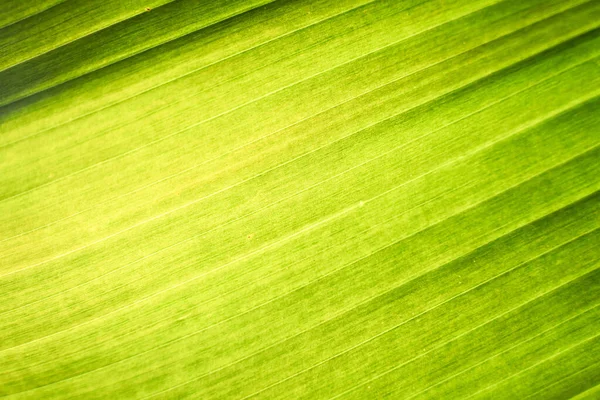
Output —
<point x="371" y="228"/>
<point x="213" y="117"/>
<point x="339" y="214"/>
<point x="266" y="136"/>
<point x="323" y="277"/>
<point x="194" y="71"/>
<point x="245" y="256"/>
<point x="142" y="11"/>
<point x="236" y="14"/>
<point x="32" y="15"/>
<point x="479" y="326"/>
<point x="70" y="17"/>
<point x="586" y="394"/>
<point x="563" y="351"/>
<point x="194" y="278"/>
<point x="373" y="337"/>
<point x="299" y="122"/>
<point x="563" y="379"/>
<point x="166" y="2"/>
<point x="210" y="160"/>
<point x="262" y="97"/>
<point x="285" y="128"/>
<point x="158" y="216"/>
<point x="283" y="340"/>
<point x="507" y="350"/>
<point x="380" y="334"/>
<point x="287" y="34"/>
<point x="260" y="250"/>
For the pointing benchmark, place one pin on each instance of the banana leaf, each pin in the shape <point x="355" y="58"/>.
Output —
<point x="285" y="199"/>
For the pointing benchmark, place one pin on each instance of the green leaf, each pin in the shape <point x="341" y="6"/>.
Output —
<point x="300" y="199"/>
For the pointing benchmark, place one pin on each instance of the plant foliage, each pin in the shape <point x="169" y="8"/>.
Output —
<point x="299" y="199"/>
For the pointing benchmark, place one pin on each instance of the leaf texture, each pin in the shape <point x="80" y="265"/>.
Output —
<point x="300" y="199"/>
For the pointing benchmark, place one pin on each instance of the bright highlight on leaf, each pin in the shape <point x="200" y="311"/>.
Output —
<point x="321" y="199"/>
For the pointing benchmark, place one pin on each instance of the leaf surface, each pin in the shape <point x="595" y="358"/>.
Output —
<point x="300" y="199"/>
